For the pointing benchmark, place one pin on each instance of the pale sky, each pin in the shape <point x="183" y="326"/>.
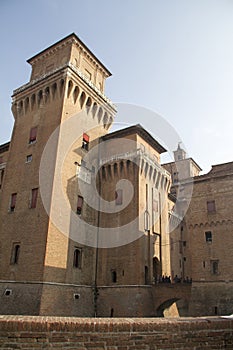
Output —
<point x="174" y="57"/>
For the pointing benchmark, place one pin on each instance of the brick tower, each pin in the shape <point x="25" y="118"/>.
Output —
<point x="66" y="78"/>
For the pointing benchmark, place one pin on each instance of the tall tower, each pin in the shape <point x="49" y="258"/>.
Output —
<point x="179" y="154"/>
<point x="66" y="79"/>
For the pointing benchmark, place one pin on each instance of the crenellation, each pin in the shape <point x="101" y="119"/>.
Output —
<point x="60" y="70"/>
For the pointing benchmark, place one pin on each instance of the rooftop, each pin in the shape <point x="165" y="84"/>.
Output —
<point x="139" y="130"/>
<point x="4" y="147"/>
<point x="74" y="37"/>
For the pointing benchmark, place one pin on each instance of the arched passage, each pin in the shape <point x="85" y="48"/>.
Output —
<point x="165" y="305"/>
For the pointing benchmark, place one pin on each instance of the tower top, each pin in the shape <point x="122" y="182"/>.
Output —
<point x="69" y="51"/>
<point x="180" y="153"/>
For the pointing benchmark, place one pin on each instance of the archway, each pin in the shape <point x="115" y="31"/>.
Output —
<point x="165" y="305"/>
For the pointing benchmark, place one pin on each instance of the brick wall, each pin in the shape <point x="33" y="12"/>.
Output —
<point x="32" y="332"/>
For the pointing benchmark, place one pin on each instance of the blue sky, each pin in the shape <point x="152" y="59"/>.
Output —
<point x="174" y="57"/>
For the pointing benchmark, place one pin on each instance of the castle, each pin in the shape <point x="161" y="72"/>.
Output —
<point x="85" y="213"/>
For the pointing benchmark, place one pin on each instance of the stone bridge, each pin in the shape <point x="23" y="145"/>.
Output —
<point x="144" y="300"/>
<point x="165" y="294"/>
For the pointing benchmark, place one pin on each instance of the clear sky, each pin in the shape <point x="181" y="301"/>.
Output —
<point x="174" y="57"/>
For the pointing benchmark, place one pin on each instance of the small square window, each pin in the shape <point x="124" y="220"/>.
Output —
<point x="29" y="158"/>
<point x="8" y="292"/>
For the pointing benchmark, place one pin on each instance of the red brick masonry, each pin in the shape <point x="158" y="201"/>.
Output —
<point x="35" y="332"/>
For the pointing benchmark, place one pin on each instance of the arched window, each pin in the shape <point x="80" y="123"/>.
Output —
<point x="77" y="262"/>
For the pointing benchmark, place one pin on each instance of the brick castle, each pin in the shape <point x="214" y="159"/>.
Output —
<point x="85" y="212"/>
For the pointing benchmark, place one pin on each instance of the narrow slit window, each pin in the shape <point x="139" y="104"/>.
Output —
<point x="34" y="196"/>
<point x="13" y="202"/>
<point x="214" y="267"/>
<point x="79" y="205"/>
<point x="77" y="262"/>
<point x="15" y="253"/>
<point x="114" y="276"/>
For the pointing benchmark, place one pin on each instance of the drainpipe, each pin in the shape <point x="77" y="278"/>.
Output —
<point x="96" y="293"/>
<point x="160" y="234"/>
<point x="147" y="230"/>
